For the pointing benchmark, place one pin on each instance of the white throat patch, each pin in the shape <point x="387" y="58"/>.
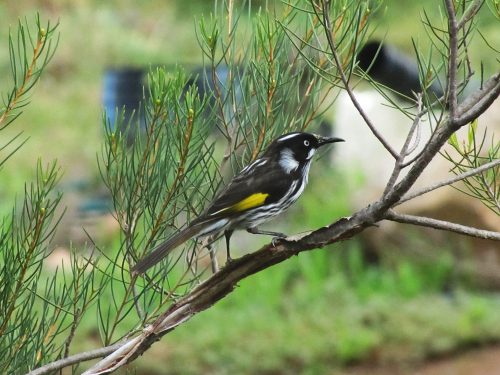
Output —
<point x="287" y="161"/>
<point x="311" y="153"/>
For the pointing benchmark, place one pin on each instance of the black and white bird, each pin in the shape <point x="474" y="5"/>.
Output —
<point x="262" y="190"/>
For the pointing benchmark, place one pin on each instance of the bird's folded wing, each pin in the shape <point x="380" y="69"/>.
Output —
<point x="263" y="186"/>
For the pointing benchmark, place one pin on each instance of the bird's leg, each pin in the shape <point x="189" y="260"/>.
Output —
<point x="276" y="235"/>
<point x="227" y="234"/>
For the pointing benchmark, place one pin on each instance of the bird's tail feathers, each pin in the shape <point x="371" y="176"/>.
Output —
<point x="166" y="247"/>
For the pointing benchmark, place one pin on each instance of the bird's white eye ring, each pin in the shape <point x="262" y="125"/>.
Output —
<point x="306" y="143"/>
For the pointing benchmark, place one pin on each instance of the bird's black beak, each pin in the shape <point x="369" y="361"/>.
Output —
<point x="325" y="140"/>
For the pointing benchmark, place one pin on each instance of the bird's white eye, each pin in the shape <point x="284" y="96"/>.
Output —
<point x="306" y="143"/>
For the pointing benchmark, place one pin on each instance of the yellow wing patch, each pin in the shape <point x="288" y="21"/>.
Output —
<point x="254" y="200"/>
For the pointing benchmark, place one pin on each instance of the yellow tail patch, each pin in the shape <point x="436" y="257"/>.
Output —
<point x="252" y="201"/>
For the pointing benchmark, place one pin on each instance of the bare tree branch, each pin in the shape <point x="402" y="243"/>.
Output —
<point x="470" y="13"/>
<point x="222" y="283"/>
<point x="450" y="181"/>
<point x="405" y="151"/>
<point x="442" y="225"/>
<point x="75" y="359"/>
<point x="452" y="58"/>
<point x="476" y="103"/>
<point x="333" y="49"/>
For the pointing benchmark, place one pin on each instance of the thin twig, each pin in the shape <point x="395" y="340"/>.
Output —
<point x="415" y="128"/>
<point x="136" y="294"/>
<point x="450" y="181"/>
<point x="29" y="74"/>
<point x="75" y="359"/>
<point x="452" y="58"/>
<point x="470" y="13"/>
<point x="35" y="240"/>
<point x="78" y="312"/>
<point x="442" y="225"/>
<point x="479" y="101"/>
<point x="333" y="48"/>
<point x="399" y="163"/>
<point x="208" y="244"/>
<point x="271" y="90"/>
<point x="468" y="63"/>
<point x="492" y="197"/>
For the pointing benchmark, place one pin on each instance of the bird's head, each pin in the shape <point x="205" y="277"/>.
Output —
<point x="296" y="149"/>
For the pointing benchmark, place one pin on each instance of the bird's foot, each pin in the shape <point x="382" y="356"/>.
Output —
<point x="276" y="239"/>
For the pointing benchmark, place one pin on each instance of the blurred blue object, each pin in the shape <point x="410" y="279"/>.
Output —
<point x="210" y="83"/>
<point x="123" y="90"/>
<point x="202" y="78"/>
<point x="96" y="206"/>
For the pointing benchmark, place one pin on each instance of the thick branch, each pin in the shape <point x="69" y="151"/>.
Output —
<point x="442" y="225"/>
<point x="223" y="282"/>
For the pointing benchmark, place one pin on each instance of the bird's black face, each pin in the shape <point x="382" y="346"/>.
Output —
<point x="298" y="148"/>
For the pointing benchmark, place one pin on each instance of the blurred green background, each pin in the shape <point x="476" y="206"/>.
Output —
<point x="347" y="309"/>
